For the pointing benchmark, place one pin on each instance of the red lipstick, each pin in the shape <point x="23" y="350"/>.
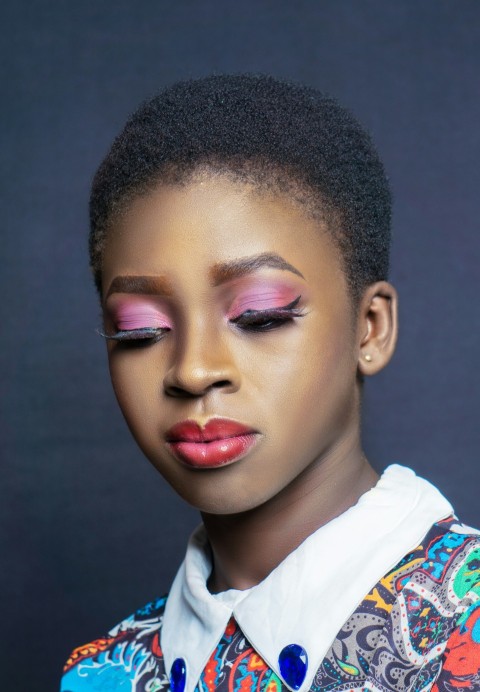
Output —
<point x="219" y="442"/>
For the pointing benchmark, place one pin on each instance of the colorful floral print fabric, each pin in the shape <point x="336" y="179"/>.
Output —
<point x="418" y="629"/>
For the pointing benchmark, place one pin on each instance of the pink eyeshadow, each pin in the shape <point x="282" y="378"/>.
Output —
<point x="263" y="298"/>
<point x="138" y="315"/>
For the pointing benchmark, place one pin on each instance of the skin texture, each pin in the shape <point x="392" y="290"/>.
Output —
<point x="297" y="385"/>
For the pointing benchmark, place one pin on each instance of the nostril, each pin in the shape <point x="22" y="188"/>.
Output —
<point x="180" y="392"/>
<point x="189" y="392"/>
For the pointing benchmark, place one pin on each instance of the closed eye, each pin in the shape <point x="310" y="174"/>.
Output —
<point x="266" y="320"/>
<point x="147" y="335"/>
<point x="249" y="321"/>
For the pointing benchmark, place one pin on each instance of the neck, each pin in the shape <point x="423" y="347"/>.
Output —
<point x="247" y="547"/>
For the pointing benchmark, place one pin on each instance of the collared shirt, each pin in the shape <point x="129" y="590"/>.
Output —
<point x="371" y="600"/>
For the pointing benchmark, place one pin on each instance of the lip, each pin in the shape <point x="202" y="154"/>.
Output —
<point x="219" y="442"/>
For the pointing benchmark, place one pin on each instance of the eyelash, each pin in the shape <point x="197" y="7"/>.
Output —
<point x="249" y="321"/>
<point x="134" y="336"/>
<point x="266" y="320"/>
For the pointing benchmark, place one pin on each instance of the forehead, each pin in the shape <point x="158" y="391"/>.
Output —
<point x="188" y="232"/>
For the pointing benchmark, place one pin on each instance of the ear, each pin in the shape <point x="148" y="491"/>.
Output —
<point x="377" y="327"/>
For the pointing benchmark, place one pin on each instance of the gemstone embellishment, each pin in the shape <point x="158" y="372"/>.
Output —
<point x="293" y="663"/>
<point x="178" y="675"/>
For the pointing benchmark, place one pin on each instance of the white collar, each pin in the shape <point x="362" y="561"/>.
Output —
<point x="311" y="594"/>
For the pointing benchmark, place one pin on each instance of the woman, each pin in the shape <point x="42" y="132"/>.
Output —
<point x="240" y="230"/>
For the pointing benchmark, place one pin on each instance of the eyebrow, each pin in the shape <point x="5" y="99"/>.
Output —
<point x="147" y="285"/>
<point x="220" y="273"/>
<point x="226" y="271"/>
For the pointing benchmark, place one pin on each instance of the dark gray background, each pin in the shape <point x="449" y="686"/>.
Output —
<point x="88" y="530"/>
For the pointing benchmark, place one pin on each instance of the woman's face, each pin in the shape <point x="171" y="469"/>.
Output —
<point x="229" y="304"/>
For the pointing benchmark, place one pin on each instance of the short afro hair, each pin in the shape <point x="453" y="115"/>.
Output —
<point x="276" y="134"/>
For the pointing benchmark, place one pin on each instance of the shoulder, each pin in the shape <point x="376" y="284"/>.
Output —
<point x="436" y="605"/>
<point x="449" y="557"/>
<point x="129" y="653"/>
<point x="421" y="617"/>
<point x="453" y="564"/>
<point x="443" y="569"/>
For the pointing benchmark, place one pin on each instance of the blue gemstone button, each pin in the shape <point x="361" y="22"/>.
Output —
<point x="293" y="663"/>
<point x="178" y="674"/>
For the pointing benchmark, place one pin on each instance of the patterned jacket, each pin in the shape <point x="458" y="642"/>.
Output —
<point x="417" y="629"/>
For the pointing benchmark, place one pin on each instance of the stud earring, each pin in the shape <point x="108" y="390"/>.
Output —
<point x="368" y="357"/>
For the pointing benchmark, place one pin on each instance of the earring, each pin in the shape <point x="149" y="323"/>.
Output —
<point x="368" y="357"/>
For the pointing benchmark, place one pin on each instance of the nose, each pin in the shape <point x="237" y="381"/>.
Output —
<point x="202" y="362"/>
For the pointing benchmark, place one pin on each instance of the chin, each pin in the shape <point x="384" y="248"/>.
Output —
<point x="216" y="497"/>
<point x="231" y="489"/>
<point x="213" y="503"/>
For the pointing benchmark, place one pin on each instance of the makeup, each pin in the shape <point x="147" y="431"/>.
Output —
<point x="138" y="313"/>
<point x="136" y="318"/>
<point x="136" y="307"/>
<point x="251" y="304"/>
<point x="262" y="295"/>
<point x="219" y="443"/>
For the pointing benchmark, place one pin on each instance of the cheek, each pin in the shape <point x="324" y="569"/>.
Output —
<point x="310" y="383"/>
<point x="135" y="383"/>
